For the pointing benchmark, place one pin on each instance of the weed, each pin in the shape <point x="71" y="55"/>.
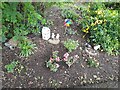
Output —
<point x="26" y="48"/>
<point x="71" y="45"/>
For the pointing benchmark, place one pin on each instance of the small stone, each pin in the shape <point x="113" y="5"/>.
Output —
<point x="81" y="77"/>
<point x="96" y="47"/>
<point x="80" y="48"/>
<point x="98" y="78"/>
<point x="84" y="81"/>
<point x="60" y="82"/>
<point x="30" y="83"/>
<point x="65" y="71"/>
<point x="82" y="65"/>
<point x="94" y="76"/>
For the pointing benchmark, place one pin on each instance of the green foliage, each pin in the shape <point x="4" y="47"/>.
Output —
<point x="55" y="54"/>
<point x="10" y="67"/>
<point x="71" y="31"/>
<point x="92" y="63"/>
<point x="71" y="45"/>
<point x="69" y="14"/>
<point x="102" y="26"/>
<point x="20" y="19"/>
<point x="14" y="66"/>
<point x="53" y="66"/>
<point x="52" y="63"/>
<point x="26" y="48"/>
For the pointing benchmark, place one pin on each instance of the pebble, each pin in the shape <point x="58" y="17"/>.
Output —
<point x="80" y="48"/>
<point x="98" y="78"/>
<point x="94" y="76"/>
<point x="65" y="71"/>
<point x="60" y="82"/>
<point x="81" y="77"/>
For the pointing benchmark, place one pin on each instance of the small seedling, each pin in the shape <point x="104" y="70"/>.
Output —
<point x="14" y="66"/>
<point x="92" y="63"/>
<point x="10" y="67"/>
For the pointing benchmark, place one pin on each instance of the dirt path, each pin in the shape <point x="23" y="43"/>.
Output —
<point x="37" y="75"/>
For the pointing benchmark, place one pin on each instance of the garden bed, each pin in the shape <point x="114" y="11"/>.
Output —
<point x="35" y="74"/>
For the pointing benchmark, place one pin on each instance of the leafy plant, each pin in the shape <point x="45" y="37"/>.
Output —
<point x="54" y="84"/>
<point x="53" y="66"/>
<point x="70" y="60"/>
<point x="52" y="63"/>
<point x="92" y="63"/>
<point x="71" y="32"/>
<point x="102" y="26"/>
<point x="10" y="67"/>
<point x="71" y="45"/>
<point x="20" y="19"/>
<point x="69" y="14"/>
<point x="26" y="48"/>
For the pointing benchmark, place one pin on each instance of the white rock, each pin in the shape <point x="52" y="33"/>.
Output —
<point x="96" y="47"/>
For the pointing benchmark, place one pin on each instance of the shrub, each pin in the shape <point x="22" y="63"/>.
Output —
<point x="69" y="14"/>
<point x="102" y="26"/>
<point x="71" y="45"/>
<point x="20" y="19"/>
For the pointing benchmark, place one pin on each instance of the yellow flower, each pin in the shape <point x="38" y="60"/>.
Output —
<point x="99" y="12"/>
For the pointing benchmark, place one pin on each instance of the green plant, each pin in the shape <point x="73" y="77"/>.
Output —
<point x="71" y="32"/>
<point x="54" y="84"/>
<point x="18" y="20"/>
<point x="70" y="60"/>
<point x="71" y="45"/>
<point x="52" y="63"/>
<point x="102" y="26"/>
<point x="92" y="62"/>
<point x="69" y="14"/>
<point x="26" y="48"/>
<point x="10" y="67"/>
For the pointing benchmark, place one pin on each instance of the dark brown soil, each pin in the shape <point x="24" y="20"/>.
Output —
<point x="37" y="75"/>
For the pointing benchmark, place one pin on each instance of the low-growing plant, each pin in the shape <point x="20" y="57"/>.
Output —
<point x="53" y="66"/>
<point x="70" y="60"/>
<point x="69" y="14"/>
<point x="71" y="31"/>
<point x="27" y="48"/>
<point x="10" y="67"/>
<point x="52" y="62"/>
<point x="54" y="84"/>
<point x="14" y="66"/>
<point x="71" y="44"/>
<point x="92" y="62"/>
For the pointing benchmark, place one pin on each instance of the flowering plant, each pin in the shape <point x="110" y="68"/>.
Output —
<point x="70" y="60"/>
<point x="52" y="63"/>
